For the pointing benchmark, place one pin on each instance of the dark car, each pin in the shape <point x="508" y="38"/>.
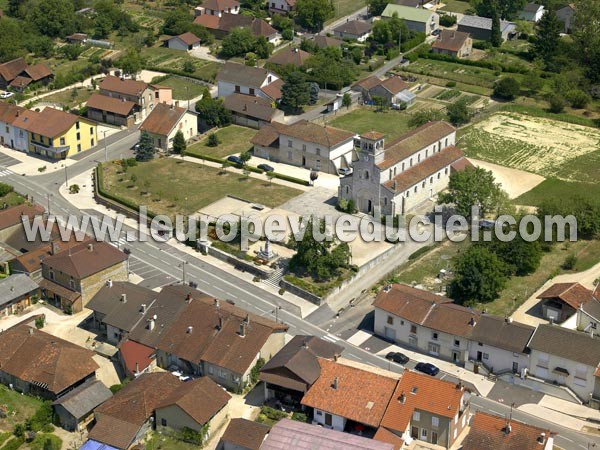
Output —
<point x="397" y="357"/>
<point x="236" y="160"/>
<point x="345" y="171"/>
<point x="266" y="168"/>
<point x="436" y="32"/>
<point x="427" y="368"/>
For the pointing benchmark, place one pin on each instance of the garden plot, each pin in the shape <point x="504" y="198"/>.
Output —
<point x="543" y="146"/>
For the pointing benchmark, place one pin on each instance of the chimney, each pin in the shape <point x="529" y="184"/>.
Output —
<point x="31" y="332"/>
<point x="190" y="329"/>
<point x="143" y="308"/>
<point x="53" y="248"/>
<point x="242" y="329"/>
<point x="151" y="324"/>
<point x="508" y="320"/>
<point x="188" y="298"/>
<point x="220" y="323"/>
<point x="472" y="321"/>
<point x="137" y="368"/>
<point x="216" y="302"/>
<point x="109" y="283"/>
<point x="247" y="319"/>
<point x="336" y="383"/>
<point x="541" y="438"/>
<point x="123" y="298"/>
<point x="90" y="247"/>
<point x="12" y="288"/>
<point x="459" y="385"/>
<point x="402" y="397"/>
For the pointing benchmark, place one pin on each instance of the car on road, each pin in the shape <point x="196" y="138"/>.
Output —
<point x="6" y="94"/>
<point x="266" y="168"/>
<point x="345" y="171"/>
<point x="397" y="357"/>
<point x="427" y="368"/>
<point x="236" y="160"/>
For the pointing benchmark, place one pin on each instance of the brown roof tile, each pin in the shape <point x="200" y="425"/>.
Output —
<point x="220" y="5"/>
<point x="249" y="105"/>
<point x="450" y="40"/>
<point x="9" y="70"/>
<point x="373" y="135"/>
<point x="51" y="122"/>
<point x="21" y="82"/>
<point x="368" y="83"/>
<point x="268" y="136"/>
<point x="273" y="90"/>
<point x="163" y="119"/>
<point x="110" y="104"/>
<point x="207" y="21"/>
<point x="127" y="87"/>
<point x="360" y="396"/>
<point x="354" y="27"/>
<point x="245" y="433"/>
<point x="38" y="72"/>
<point x="86" y="259"/>
<point x="573" y="294"/>
<point x="394" y="85"/>
<point x="321" y="135"/>
<point x="188" y="38"/>
<point x="385" y="435"/>
<point x="10" y="217"/>
<point x="326" y="41"/>
<point x="289" y="56"/>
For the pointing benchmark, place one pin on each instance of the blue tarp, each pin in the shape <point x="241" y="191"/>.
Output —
<point x="95" y="445"/>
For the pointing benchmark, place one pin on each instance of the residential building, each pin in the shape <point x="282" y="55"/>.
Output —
<point x="281" y="6"/>
<point x="305" y="144"/>
<point x="136" y="358"/>
<point x="76" y="38"/>
<point x="241" y="79"/>
<point x="354" y="29"/>
<point x="423" y="321"/>
<point x="11" y="219"/>
<point x="308" y="437"/>
<point x="15" y="127"/>
<point x="393" y="91"/>
<point x="222" y="26"/>
<point x="365" y="85"/>
<point x="420" y="20"/>
<point x="162" y="94"/>
<point x="588" y="314"/>
<point x="565" y="15"/>
<point x="293" y="370"/>
<point x="243" y="434"/>
<point x="110" y="110"/>
<point x="163" y="123"/>
<point x="75" y="410"/>
<point x="251" y="111"/>
<point x="16" y="293"/>
<point x="481" y="28"/>
<point x="490" y="432"/>
<point x="40" y="364"/>
<point x="193" y="405"/>
<point x="427" y="409"/>
<point x="348" y="397"/>
<point x="500" y="344"/>
<point x="322" y="41"/>
<point x="138" y="92"/>
<point x="186" y="41"/>
<point x="289" y="57"/>
<point x="566" y="357"/>
<point x="408" y="172"/>
<point x="217" y="8"/>
<point x="118" y="307"/>
<point x="532" y="12"/>
<point x="562" y="300"/>
<point x="453" y="43"/>
<point x="57" y="134"/>
<point x="73" y="277"/>
<point x="18" y="75"/>
<point x="126" y="417"/>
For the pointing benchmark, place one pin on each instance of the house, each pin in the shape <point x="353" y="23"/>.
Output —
<point x="305" y="144"/>
<point x="118" y="307"/>
<point x="532" y="12"/>
<point x="222" y="26"/>
<point x="427" y="409"/>
<point x="491" y="432"/>
<point x="412" y="170"/>
<point x="420" y="20"/>
<point x="216" y="339"/>
<point x="110" y="110"/>
<point x="76" y="38"/>
<point x="566" y="357"/>
<point x="193" y="405"/>
<point x="243" y="434"/>
<point x="251" y="111"/>
<point x="348" y="397"/>
<point x="481" y="28"/>
<point x="365" y="85"/>
<point x="186" y="41"/>
<point x="57" y="134"/>
<point x="17" y="74"/>
<point x="289" y="57"/>
<point x="588" y="314"/>
<point x="281" y="6"/>
<point x="500" y="344"/>
<point x="138" y="92"/>
<point x="217" y="8"/>
<point x="163" y="123"/>
<point x="562" y="300"/>
<point x="393" y="91"/>
<point x="453" y="43"/>
<point x="16" y="293"/>
<point x="136" y="358"/>
<point x="241" y="79"/>
<point x="354" y="29"/>
<point x="11" y="219"/>
<point x="75" y="410"/>
<point x="126" y="417"/>
<point x="308" y="437"/>
<point x="293" y="370"/>
<point x="40" y="364"/>
<point x="429" y="323"/>
<point x="327" y="41"/>
<point x="565" y="15"/>
<point x="13" y="122"/>
<point x="73" y="277"/>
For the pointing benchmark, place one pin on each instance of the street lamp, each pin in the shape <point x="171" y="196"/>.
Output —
<point x="48" y="196"/>
<point x="66" y="175"/>
<point x="105" y="149"/>
<point x="182" y="265"/>
<point x="276" y="312"/>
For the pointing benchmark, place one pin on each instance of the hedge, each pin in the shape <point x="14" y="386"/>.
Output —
<point x="420" y="252"/>
<point x="181" y="73"/>
<point x="467" y="62"/>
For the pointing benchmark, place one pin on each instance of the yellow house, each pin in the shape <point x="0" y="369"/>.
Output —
<point x="57" y="134"/>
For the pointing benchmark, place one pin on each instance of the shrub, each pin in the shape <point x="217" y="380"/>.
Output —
<point x="40" y="322"/>
<point x="300" y="417"/>
<point x="42" y="169"/>
<point x="287" y="34"/>
<point x="41" y="418"/>
<point x="19" y="430"/>
<point x="213" y="140"/>
<point x="570" y="262"/>
<point x="46" y="442"/>
<point x="74" y="189"/>
<point x="507" y="88"/>
<point x="420" y="252"/>
<point x="557" y="103"/>
<point x="5" y="189"/>
<point x="14" y="444"/>
<point x="447" y="20"/>
<point x="451" y="84"/>
<point x="189" y="67"/>
<point x="578" y="99"/>
<point x="281" y="291"/>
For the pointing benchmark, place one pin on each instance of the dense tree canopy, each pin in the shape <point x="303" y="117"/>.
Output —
<point x="212" y="112"/>
<point x="586" y="35"/>
<point x="314" y="13"/>
<point x="546" y="43"/>
<point x="238" y="42"/>
<point x="296" y="91"/>
<point x="52" y="17"/>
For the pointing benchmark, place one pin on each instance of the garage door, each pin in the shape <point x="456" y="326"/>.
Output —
<point x="390" y="334"/>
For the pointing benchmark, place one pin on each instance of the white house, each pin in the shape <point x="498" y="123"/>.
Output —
<point x="532" y="12"/>
<point x="165" y="121"/>
<point x="217" y="8"/>
<point x="242" y="79"/>
<point x="13" y="121"/>
<point x="281" y="6"/>
<point x="186" y="41"/>
<point x="354" y="29"/>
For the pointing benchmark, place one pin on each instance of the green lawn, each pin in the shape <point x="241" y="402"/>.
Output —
<point x="183" y="88"/>
<point x="457" y="6"/>
<point x="441" y="81"/>
<point x="69" y="98"/>
<point x="20" y="407"/>
<point x="362" y="120"/>
<point x="234" y="139"/>
<point x="171" y="186"/>
<point x="346" y="7"/>
<point x="553" y="188"/>
<point x="164" y="442"/>
<point x="12" y="199"/>
<point x="162" y="57"/>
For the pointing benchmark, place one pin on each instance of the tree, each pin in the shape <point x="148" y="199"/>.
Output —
<point x="131" y="62"/>
<point x="496" y="38"/>
<point x="458" y="113"/>
<point x="424" y="116"/>
<point x="532" y="81"/>
<point x="586" y="36"/>
<point x="102" y="27"/>
<point x="545" y="45"/>
<point x="507" y="9"/>
<point x="263" y="48"/>
<point x="295" y="92"/>
<point x="52" y="17"/>
<point x="213" y="140"/>
<point x="557" y="103"/>
<point x="179" y="145"/>
<point x="314" y="93"/>
<point x="11" y="39"/>
<point x="238" y="42"/>
<point x="479" y="276"/>
<point x="71" y="51"/>
<point x="473" y="187"/>
<point x="212" y="111"/>
<point x="330" y="70"/>
<point x="577" y="98"/>
<point x="507" y="88"/>
<point x="521" y="257"/>
<point x="314" y="13"/>
<point x="376" y="7"/>
<point x="245" y="157"/>
<point x="176" y="22"/>
<point x="145" y="149"/>
<point x="347" y="100"/>
<point x="189" y="67"/>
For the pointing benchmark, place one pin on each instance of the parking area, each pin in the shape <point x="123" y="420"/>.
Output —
<point x="7" y="161"/>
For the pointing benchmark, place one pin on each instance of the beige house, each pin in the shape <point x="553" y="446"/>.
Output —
<point x="165" y="121"/>
<point x="453" y="43"/>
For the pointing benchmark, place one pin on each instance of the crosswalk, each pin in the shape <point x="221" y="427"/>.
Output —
<point x="275" y="278"/>
<point x="331" y="338"/>
<point x="5" y="172"/>
<point x="121" y="242"/>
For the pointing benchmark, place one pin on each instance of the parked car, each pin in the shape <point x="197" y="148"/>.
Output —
<point x="345" y="171"/>
<point x="436" y="32"/>
<point x="427" y="368"/>
<point x="266" y="168"/>
<point x="6" y="94"/>
<point x="236" y="160"/>
<point x="397" y="357"/>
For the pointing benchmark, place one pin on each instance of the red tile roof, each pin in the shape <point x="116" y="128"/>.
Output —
<point x="245" y="433"/>
<point x="273" y="90"/>
<point x="220" y="5"/>
<point x="163" y="119"/>
<point x="20" y="82"/>
<point x="450" y="40"/>
<point x="573" y="294"/>
<point x="9" y="70"/>
<point x="120" y="86"/>
<point x="321" y="135"/>
<point x="38" y="72"/>
<point x="394" y="85"/>
<point x="385" y="435"/>
<point x="110" y="104"/>
<point x="289" y="56"/>
<point x="12" y="216"/>
<point x="188" y="38"/>
<point x="368" y="83"/>
<point x="137" y="357"/>
<point x="51" y="122"/>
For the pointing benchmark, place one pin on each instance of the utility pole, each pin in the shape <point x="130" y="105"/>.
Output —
<point x="48" y="195"/>
<point x="276" y="312"/>
<point x="66" y="176"/>
<point x="105" y="149"/>
<point x="183" y="271"/>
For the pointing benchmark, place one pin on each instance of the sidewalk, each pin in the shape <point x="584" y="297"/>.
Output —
<point x="550" y="415"/>
<point x="572" y="409"/>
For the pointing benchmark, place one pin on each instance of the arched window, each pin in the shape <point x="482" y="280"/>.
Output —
<point x="446" y="171"/>
<point x="367" y="174"/>
<point x="403" y="167"/>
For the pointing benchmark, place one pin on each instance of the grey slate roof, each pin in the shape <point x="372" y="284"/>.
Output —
<point x="483" y="23"/>
<point x="497" y="332"/>
<point x="531" y="7"/>
<point x="85" y="398"/>
<point x="242" y="74"/>
<point x="568" y="344"/>
<point x="15" y="286"/>
<point x="592" y="308"/>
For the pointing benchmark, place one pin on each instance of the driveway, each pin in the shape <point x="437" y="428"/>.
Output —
<point x="204" y="53"/>
<point x="326" y="181"/>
